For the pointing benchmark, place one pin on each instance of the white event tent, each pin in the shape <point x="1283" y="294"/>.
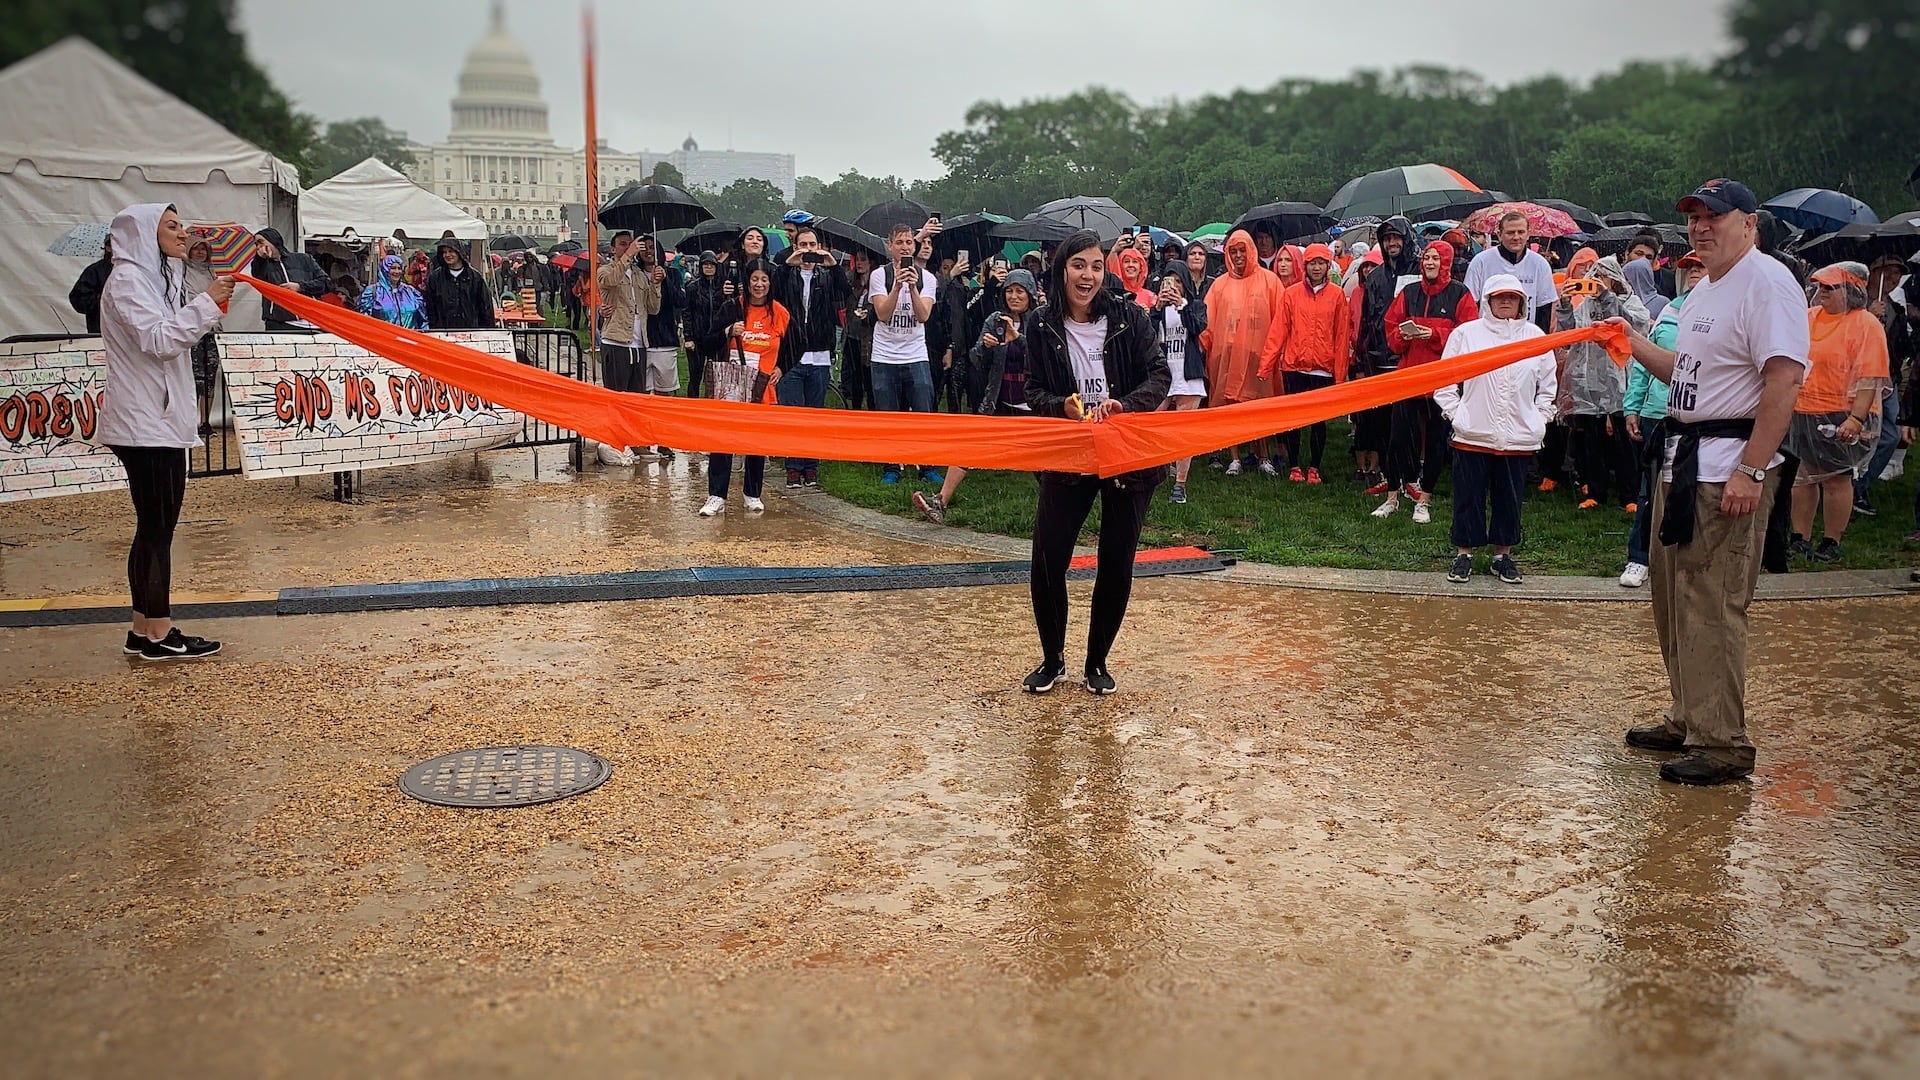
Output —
<point x="83" y="136"/>
<point x="373" y="200"/>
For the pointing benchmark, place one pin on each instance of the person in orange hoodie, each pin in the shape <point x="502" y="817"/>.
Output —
<point x="1133" y="274"/>
<point x="1316" y="342"/>
<point x="1242" y="337"/>
<point x="1419" y="322"/>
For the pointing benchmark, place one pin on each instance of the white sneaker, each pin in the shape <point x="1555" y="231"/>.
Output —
<point x="1267" y="468"/>
<point x="1387" y="508"/>
<point x="755" y="506"/>
<point x="1422" y="513"/>
<point x="1233" y="467"/>
<point x="714" y="505"/>
<point x="1634" y="576"/>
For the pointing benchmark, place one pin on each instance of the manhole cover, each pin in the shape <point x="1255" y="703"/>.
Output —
<point x="506" y="776"/>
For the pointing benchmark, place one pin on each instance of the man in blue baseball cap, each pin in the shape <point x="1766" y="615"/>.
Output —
<point x="1734" y="370"/>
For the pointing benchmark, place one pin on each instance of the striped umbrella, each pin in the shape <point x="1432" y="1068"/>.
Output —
<point x="1402" y="190"/>
<point x="232" y="243"/>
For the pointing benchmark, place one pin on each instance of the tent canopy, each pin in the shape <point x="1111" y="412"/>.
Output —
<point x="373" y="199"/>
<point x="83" y="136"/>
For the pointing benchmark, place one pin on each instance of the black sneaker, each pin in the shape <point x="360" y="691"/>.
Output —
<point x="1099" y="681"/>
<point x="133" y="645"/>
<point x="794" y="480"/>
<point x="1656" y="737"/>
<point x="177" y="646"/>
<point x="1702" y="771"/>
<point x="1864" y="508"/>
<point x="1506" y="569"/>
<point x="811" y="478"/>
<point x="1461" y="570"/>
<point x="1828" y="551"/>
<point x="1044" y="676"/>
<point x="1798" y="548"/>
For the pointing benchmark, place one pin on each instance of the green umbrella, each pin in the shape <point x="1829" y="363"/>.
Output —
<point x="1213" y="230"/>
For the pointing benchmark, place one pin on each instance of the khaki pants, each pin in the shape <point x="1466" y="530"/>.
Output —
<point x="1700" y="594"/>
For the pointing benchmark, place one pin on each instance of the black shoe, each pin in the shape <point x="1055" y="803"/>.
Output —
<point x="1506" y="569"/>
<point x="1461" y="570"/>
<point x="811" y="478"/>
<point x="1798" y="548"/>
<point x="794" y="480"/>
<point x="1044" y="676"/>
<point x="133" y="645"/>
<point x="1864" y="508"/>
<point x="1828" y="551"/>
<point x="1099" y="681"/>
<point x="1702" y="771"/>
<point x="177" y="646"/>
<point x="1656" y="737"/>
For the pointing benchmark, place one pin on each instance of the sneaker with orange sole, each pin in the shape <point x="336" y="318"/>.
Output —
<point x="1631" y="508"/>
<point x="1313" y="476"/>
<point x="1588" y="504"/>
<point x="1547" y="484"/>
<point x="1297" y="474"/>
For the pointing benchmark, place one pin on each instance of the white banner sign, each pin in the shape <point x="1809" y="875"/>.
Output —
<point x="50" y="395"/>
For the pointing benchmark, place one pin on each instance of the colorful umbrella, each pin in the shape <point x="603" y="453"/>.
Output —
<point x="87" y="240"/>
<point x="233" y="244"/>
<point x="1406" y="189"/>
<point x="1542" y="221"/>
<point x="1212" y="230"/>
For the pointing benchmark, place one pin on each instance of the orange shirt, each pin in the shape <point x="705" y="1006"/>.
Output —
<point x="760" y="338"/>
<point x="1847" y="351"/>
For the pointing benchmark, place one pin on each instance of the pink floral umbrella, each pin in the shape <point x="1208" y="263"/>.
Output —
<point x="1542" y="221"/>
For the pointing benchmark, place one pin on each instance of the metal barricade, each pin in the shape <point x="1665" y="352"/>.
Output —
<point x="555" y="349"/>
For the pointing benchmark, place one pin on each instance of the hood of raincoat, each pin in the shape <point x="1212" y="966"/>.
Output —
<point x="1433" y="288"/>
<point x="1296" y="264"/>
<point x="449" y="242"/>
<point x="1507" y="329"/>
<point x="1585" y="256"/>
<point x="136" y="244"/>
<point x="1609" y="268"/>
<point x="1409" y="260"/>
<point x="1639" y="275"/>
<point x="1132" y="269"/>
<point x="1180" y="270"/>
<point x="1242" y="240"/>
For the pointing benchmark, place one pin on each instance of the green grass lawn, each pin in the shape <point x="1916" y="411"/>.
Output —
<point x="1271" y="520"/>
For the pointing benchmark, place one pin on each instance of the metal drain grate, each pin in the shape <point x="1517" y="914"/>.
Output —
<point x="506" y="776"/>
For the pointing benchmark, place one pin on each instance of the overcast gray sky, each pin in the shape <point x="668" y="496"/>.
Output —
<point x="399" y="59"/>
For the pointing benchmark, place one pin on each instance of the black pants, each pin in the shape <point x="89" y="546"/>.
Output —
<point x="1063" y="508"/>
<point x="623" y="368"/>
<point x="696" y="370"/>
<point x="1301" y="382"/>
<point x="1418" y="447"/>
<point x="157" y="480"/>
<point x="1605" y="462"/>
<point x="720" y="475"/>
<point x="856" y="376"/>
<point x="1478" y="476"/>
<point x="1553" y="453"/>
<point x="1371" y="428"/>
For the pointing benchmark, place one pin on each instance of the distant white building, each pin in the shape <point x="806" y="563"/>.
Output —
<point x="500" y="163"/>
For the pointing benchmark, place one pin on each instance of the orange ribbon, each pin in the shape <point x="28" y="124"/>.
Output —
<point x="1120" y="444"/>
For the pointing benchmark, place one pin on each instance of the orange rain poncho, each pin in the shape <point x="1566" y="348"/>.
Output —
<point x="1124" y="443"/>
<point x="1132" y="272"/>
<point x="1243" y="326"/>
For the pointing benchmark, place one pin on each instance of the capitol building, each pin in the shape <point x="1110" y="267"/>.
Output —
<point x="500" y="164"/>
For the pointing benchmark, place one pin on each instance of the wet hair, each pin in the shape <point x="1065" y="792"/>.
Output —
<point x="899" y="228"/>
<point x="1647" y="237"/>
<point x="1510" y="216"/>
<point x="807" y="230"/>
<point x="615" y="238"/>
<point x="1076" y="242"/>
<point x="746" y="279"/>
<point x="740" y="247"/>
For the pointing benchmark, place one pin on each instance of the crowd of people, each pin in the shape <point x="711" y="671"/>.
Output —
<point x="1261" y="317"/>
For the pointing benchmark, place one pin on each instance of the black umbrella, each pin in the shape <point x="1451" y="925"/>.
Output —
<point x="842" y="236"/>
<point x="512" y="242"/>
<point x="567" y="247"/>
<point x="1898" y="237"/>
<point x="1033" y="231"/>
<point x="1583" y="217"/>
<point x="648" y="208"/>
<point x="1624" y="218"/>
<point x="880" y="218"/>
<point x="1283" y="220"/>
<point x="970" y="233"/>
<point x="711" y="235"/>
<point x="1108" y="219"/>
<point x="1673" y="239"/>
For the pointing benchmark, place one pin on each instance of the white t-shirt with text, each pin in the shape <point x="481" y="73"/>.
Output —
<point x="1087" y="348"/>
<point x="1729" y="329"/>
<point x="900" y="340"/>
<point x="1173" y="342"/>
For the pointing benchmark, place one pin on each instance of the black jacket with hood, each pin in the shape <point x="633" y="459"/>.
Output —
<point x="813" y="326"/>
<point x="704" y="301"/>
<point x="457" y="303"/>
<point x="295" y="269"/>
<point x="1373" y="354"/>
<point x="1136" y="369"/>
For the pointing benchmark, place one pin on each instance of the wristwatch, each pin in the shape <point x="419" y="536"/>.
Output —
<point x="1759" y="475"/>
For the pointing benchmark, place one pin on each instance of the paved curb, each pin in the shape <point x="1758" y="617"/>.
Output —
<point x="1823" y="585"/>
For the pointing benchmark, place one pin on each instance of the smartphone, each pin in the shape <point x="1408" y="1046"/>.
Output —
<point x="934" y="217"/>
<point x="812" y="258"/>
<point x="963" y="255"/>
<point x="1407" y="327"/>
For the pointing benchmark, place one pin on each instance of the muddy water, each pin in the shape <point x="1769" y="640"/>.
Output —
<point x="1315" y="834"/>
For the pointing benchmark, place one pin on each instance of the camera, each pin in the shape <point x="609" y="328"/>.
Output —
<point x="813" y="258"/>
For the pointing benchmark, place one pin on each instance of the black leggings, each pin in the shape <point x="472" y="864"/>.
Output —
<point x="1063" y="508"/>
<point x="1604" y="458"/>
<point x="1418" y="448"/>
<point x="157" y="480"/>
<point x="1301" y="382"/>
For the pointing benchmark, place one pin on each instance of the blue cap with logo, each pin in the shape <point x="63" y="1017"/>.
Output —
<point x="1721" y="196"/>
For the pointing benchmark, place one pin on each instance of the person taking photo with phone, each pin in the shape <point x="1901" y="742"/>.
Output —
<point x="811" y="285"/>
<point x="902" y="294"/>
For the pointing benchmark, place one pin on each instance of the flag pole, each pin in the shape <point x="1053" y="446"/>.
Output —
<point x="592" y="163"/>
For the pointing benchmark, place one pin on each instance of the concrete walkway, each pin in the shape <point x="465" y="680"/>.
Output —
<point x="1820" y="585"/>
